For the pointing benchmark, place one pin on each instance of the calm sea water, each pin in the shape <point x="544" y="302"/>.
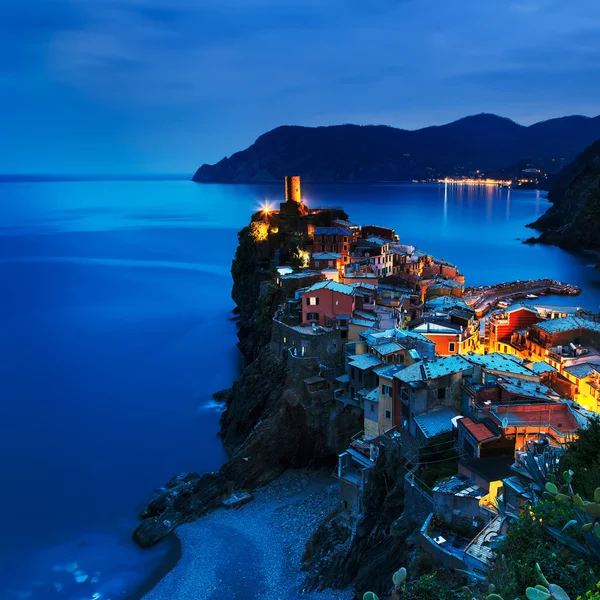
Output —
<point x="116" y="328"/>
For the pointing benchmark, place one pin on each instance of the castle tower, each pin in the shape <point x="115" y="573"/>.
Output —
<point x="292" y="189"/>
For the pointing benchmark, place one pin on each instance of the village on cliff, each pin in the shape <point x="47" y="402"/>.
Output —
<point x="466" y="384"/>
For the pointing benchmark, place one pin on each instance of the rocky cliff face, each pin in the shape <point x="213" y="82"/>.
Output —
<point x="367" y="551"/>
<point x="270" y="422"/>
<point x="573" y="221"/>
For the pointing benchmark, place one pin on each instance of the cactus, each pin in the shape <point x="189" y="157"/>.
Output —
<point x="399" y="577"/>
<point x="543" y="591"/>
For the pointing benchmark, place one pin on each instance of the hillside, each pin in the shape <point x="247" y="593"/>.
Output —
<point x="573" y="220"/>
<point x="370" y="153"/>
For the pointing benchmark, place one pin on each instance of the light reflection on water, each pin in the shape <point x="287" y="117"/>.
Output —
<point x="116" y="328"/>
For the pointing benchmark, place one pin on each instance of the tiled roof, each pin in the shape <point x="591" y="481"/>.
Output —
<point x="374" y="239"/>
<point x="527" y="389"/>
<point x="478" y="430"/>
<point x="567" y="324"/>
<point x="333" y="286"/>
<point x="541" y="367"/>
<point x="326" y="256"/>
<point x="436" y="421"/>
<point x="496" y="361"/>
<point x="373" y="395"/>
<point x="332" y="231"/>
<point x="583" y="370"/>
<point x="364" y="361"/>
<point x="388" y="370"/>
<point x="432" y="369"/>
<point x="387" y="348"/>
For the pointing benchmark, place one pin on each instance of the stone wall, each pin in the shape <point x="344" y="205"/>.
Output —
<point x="325" y="346"/>
<point x="418" y="504"/>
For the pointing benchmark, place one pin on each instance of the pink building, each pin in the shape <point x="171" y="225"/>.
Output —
<point x="327" y="303"/>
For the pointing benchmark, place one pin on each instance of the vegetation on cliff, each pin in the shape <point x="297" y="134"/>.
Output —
<point x="573" y="220"/>
<point x="352" y="153"/>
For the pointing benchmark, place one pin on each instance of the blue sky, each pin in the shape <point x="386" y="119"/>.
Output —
<point x="126" y="86"/>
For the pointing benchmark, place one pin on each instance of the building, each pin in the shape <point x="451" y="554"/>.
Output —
<point x="328" y="303"/>
<point x="426" y="385"/>
<point x="333" y="239"/>
<point x="502" y="325"/>
<point x="452" y="334"/>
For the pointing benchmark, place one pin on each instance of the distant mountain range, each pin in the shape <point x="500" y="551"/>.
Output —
<point x="377" y="153"/>
<point x="573" y="220"/>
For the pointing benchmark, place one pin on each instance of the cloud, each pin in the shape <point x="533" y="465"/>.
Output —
<point x="174" y="77"/>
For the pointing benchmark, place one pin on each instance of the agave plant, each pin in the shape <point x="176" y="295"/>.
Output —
<point x="587" y="516"/>
<point x="543" y="591"/>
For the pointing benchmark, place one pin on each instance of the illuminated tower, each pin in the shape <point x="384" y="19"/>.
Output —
<point x="292" y="189"/>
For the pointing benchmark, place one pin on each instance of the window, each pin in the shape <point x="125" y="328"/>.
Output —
<point x="331" y="263"/>
<point x="386" y="390"/>
<point x="388" y="415"/>
<point x="345" y="248"/>
<point x="312" y="316"/>
<point x="312" y="301"/>
<point x="345" y="241"/>
<point x="316" y="263"/>
<point x="372" y="407"/>
<point x="441" y="393"/>
<point x="451" y="347"/>
<point x="360" y="376"/>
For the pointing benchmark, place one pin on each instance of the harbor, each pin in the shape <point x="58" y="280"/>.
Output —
<point x="482" y="299"/>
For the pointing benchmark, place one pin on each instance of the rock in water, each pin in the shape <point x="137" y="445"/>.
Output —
<point x="185" y="498"/>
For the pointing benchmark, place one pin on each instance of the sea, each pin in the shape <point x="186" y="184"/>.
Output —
<point x="116" y="327"/>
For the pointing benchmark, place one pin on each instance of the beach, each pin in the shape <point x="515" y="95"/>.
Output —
<point x="254" y="552"/>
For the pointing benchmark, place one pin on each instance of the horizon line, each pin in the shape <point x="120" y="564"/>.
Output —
<point x="48" y="177"/>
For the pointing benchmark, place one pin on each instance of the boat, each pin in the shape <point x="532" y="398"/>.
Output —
<point x="531" y="296"/>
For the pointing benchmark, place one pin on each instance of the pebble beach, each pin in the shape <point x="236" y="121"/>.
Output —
<point x="254" y="552"/>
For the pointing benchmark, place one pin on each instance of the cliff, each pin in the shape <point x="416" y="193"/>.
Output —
<point x="573" y="220"/>
<point x="270" y="422"/>
<point x="352" y="153"/>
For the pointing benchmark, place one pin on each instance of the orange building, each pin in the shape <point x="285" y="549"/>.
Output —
<point x="502" y="325"/>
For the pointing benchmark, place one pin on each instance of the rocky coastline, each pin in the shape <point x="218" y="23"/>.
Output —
<point x="269" y="426"/>
<point x="573" y="220"/>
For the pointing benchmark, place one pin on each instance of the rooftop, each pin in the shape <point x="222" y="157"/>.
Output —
<point x="436" y="421"/>
<point x="341" y="288"/>
<point x="478" y="430"/>
<point x="556" y="415"/>
<point x="364" y="361"/>
<point x="583" y="370"/>
<point x="567" y="324"/>
<point x="432" y="369"/>
<point x="362" y="322"/>
<point x="496" y="361"/>
<point x="332" y="231"/>
<point x="528" y="389"/>
<point x="388" y="370"/>
<point x="373" y="396"/>
<point x="541" y="367"/>
<point x="300" y="274"/>
<point x="326" y="256"/>
<point x="387" y="348"/>
<point x="375" y="239"/>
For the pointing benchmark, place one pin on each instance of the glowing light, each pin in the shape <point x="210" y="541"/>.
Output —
<point x="266" y="208"/>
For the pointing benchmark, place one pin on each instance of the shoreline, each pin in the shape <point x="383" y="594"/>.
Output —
<point x="173" y="556"/>
<point x="254" y="552"/>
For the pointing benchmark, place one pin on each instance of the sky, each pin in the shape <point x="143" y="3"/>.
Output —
<point x="142" y="86"/>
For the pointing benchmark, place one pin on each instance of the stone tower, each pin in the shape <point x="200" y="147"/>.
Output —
<point x="292" y="189"/>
